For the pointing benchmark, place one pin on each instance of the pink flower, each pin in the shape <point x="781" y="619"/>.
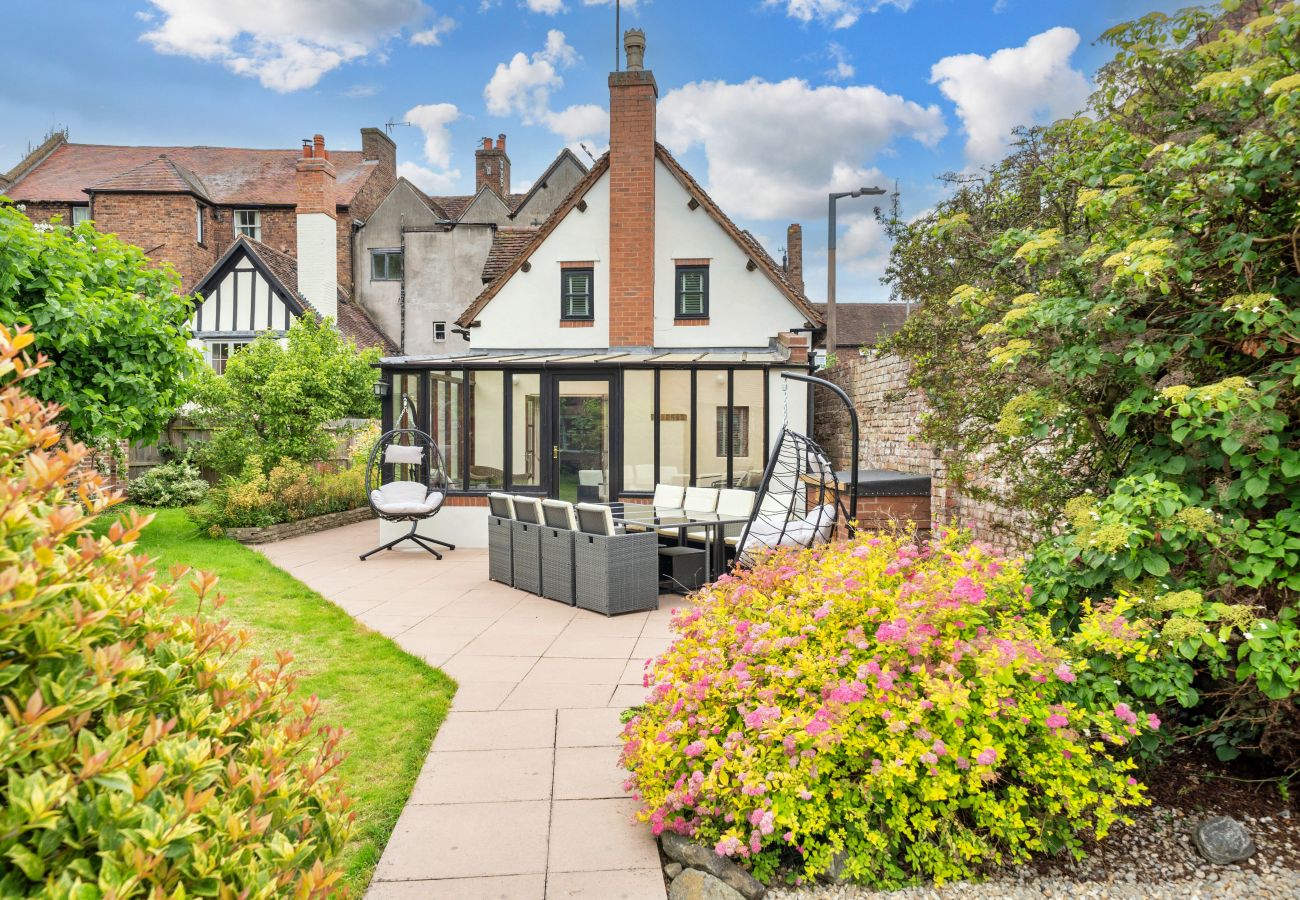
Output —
<point x="817" y="726"/>
<point x="694" y="749"/>
<point x="963" y="762"/>
<point x="1063" y="672"/>
<point x="1057" y="720"/>
<point x="988" y="756"/>
<point x="1153" y="721"/>
<point x="1124" y="714"/>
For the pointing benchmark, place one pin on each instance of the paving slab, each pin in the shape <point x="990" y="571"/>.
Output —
<point x="467" y="840"/>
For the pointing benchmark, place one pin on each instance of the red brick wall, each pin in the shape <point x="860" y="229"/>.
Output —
<point x="889" y="415"/>
<point x="279" y="228"/>
<point x="163" y="226"/>
<point x="632" y="98"/>
<point x="44" y="212"/>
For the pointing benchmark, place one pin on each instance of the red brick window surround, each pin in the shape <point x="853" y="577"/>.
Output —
<point x="577" y="294"/>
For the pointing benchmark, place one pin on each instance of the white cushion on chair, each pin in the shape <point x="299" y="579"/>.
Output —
<point x="406" y="498"/>
<point x="669" y="496"/>
<point x="398" y="454"/>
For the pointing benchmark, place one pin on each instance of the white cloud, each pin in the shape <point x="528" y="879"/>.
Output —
<point x="548" y="7"/>
<point x="842" y="63"/>
<point x="287" y="45"/>
<point x="523" y="87"/>
<point x="433" y="35"/>
<point x="756" y="169"/>
<point x="433" y="119"/>
<point x="1015" y="86"/>
<point x="428" y="180"/>
<point x="835" y="13"/>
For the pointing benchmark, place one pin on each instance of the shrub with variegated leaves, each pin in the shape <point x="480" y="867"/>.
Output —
<point x="142" y="757"/>
<point x="889" y="710"/>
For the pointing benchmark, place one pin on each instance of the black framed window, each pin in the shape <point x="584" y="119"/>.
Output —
<point x="385" y="265"/>
<point x="198" y="223"/>
<point x="692" y="292"/>
<point x="576" y="289"/>
<point x="733" y="436"/>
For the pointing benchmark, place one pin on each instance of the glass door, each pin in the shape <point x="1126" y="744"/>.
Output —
<point x="580" y="439"/>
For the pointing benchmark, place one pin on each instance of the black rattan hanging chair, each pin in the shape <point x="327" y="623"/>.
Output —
<point x="406" y="481"/>
<point x="800" y="501"/>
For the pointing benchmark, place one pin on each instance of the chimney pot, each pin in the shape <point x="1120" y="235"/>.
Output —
<point x="318" y="147"/>
<point x="634" y="46"/>
<point x="501" y="142"/>
<point x="487" y="143"/>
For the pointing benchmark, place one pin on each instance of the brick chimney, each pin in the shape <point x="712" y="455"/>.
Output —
<point x="318" y="278"/>
<point x="492" y="166"/>
<point x="378" y="146"/>
<point x="794" y="256"/>
<point x="633" y="94"/>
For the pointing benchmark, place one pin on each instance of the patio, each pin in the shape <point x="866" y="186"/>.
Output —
<point x="521" y="797"/>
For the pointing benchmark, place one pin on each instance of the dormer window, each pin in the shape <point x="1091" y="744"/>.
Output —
<point x="576" y="289"/>
<point x="248" y="222"/>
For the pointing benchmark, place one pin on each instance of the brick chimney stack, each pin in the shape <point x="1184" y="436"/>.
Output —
<point x="492" y="166"/>
<point x="794" y="256"/>
<point x="633" y="94"/>
<point x="318" y="278"/>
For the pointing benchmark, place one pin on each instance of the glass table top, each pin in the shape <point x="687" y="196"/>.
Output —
<point x="663" y="516"/>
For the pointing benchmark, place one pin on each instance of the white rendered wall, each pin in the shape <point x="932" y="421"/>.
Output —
<point x="318" y="274"/>
<point x="252" y="289"/>
<point x="464" y="526"/>
<point x="745" y="308"/>
<point x="525" y="314"/>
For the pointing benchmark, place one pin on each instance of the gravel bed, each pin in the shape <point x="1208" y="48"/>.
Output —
<point x="1153" y="858"/>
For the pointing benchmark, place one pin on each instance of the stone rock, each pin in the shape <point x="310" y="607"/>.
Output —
<point x="1223" y="840"/>
<point x="835" y="871"/>
<point x="672" y="870"/>
<point x="693" y="884"/>
<point x="694" y="856"/>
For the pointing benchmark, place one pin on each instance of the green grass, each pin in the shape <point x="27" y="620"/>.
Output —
<point x="389" y="703"/>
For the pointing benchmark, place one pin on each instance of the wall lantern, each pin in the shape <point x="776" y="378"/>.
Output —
<point x="381" y="389"/>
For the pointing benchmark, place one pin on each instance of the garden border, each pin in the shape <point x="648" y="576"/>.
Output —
<point x="283" y="530"/>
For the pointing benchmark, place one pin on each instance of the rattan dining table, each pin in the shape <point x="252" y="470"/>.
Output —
<point x="643" y="516"/>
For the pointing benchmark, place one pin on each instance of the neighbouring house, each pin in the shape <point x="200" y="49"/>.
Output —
<point x="637" y="336"/>
<point x="861" y="325"/>
<point x="210" y="210"/>
<point x="422" y="259"/>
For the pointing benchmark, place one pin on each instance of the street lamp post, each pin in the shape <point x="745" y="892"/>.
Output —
<point x="832" y="332"/>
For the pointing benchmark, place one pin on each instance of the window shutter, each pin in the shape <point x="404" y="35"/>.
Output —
<point x="577" y="294"/>
<point x="690" y="293"/>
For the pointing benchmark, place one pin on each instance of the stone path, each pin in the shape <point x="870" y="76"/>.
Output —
<point x="521" y="797"/>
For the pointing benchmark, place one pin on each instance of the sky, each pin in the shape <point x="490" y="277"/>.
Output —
<point x="770" y="103"/>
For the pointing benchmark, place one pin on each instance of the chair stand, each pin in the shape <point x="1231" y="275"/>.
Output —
<point x="419" y="539"/>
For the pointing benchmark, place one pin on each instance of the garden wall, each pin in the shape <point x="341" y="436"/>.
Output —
<point x="889" y="416"/>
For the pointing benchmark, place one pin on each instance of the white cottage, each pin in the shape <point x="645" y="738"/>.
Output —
<point x="638" y="338"/>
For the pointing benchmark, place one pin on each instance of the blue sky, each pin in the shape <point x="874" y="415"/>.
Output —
<point x="770" y="103"/>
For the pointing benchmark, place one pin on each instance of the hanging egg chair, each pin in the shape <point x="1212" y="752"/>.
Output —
<point x="406" y="481"/>
<point x="800" y="500"/>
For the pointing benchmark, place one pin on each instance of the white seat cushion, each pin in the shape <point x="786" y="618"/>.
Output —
<point x="398" y="454"/>
<point x="406" y="498"/>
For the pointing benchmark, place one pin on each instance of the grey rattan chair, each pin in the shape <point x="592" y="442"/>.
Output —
<point x="558" y="532"/>
<point x="526" y="537"/>
<point x="617" y="573"/>
<point x="501" y="513"/>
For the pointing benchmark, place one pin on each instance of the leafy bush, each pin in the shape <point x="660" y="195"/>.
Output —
<point x="1116" y="343"/>
<point x="291" y="491"/>
<point x="896" y="710"/>
<point x="142" y="756"/>
<point x="175" y="483"/>
<point x="274" y="399"/>
<point x="116" y="324"/>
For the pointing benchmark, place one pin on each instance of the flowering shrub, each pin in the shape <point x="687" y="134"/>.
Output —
<point x="291" y="491"/>
<point x="889" y="710"/>
<point x="142" y="756"/>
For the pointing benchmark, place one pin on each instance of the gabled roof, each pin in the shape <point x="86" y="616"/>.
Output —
<point x="281" y="270"/>
<point x="455" y="206"/>
<point x="506" y="245"/>
<point x="438" y="209"/>
<point x="489" y="197"/>
<point x="231" y="175"/>
<point x="862" y="324"/>
<point x="540" y="235"/>
<point x="564" y="154"/>
<point x="157" y="176"/>
<point x="743" y="239"/>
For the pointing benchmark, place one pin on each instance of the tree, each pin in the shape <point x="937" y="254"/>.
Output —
<point x="275" y="398"/>
<point x="114" y="325"/>
<point x="1119" y="351"/>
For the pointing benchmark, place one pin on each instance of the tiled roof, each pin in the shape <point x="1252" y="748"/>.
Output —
<point x="862" y="324"/>
<point x="160" y="175"/>
<point x="456" y="206"/>
<point x="353" y="321"/>
<point x="506" y="245"/>
<point x="230" y="174"/>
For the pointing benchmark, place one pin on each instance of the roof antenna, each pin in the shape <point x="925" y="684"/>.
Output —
<point x="587" y="151"/>
<point x="618" y="15"/>
<point x="393" y="123"/>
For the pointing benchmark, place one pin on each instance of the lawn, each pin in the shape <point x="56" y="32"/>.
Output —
<point x="389" y="702"/>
